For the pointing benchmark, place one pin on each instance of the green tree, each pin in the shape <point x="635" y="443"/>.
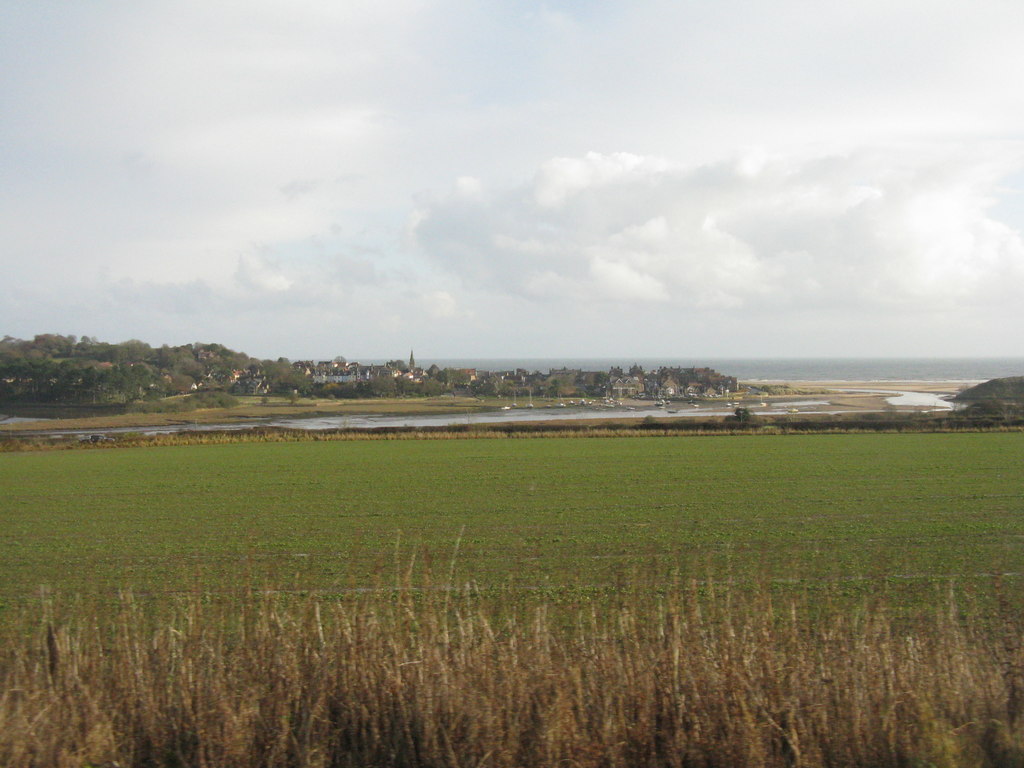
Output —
<point x="383" y="386"/>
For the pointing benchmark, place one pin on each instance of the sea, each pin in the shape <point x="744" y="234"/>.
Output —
<point x="775" y="369"/>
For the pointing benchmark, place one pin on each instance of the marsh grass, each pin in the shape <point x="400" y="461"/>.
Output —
<point x="11" y="442"/>
<point x="683" y="675"/>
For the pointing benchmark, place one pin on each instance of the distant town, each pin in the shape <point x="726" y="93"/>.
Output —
<point x="67" y="369"/>
<point x="51" y="370"/>
<point x="345" y="378"/>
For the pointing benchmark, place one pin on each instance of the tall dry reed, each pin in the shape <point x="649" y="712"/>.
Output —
<point x="452" y="678"/>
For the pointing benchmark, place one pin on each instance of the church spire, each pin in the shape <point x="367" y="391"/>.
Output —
<point x="412" y="360"/>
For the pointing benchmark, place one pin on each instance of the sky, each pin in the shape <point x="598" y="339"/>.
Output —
<point x="489" y="178"/>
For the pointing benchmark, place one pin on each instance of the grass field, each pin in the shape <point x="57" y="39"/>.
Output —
<point x="855" y="510"/>
<point x="712" y="602"/>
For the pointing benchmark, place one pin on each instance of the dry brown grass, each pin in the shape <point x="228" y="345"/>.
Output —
<point x="553" y="429"/>
<point x="452" y="678"/>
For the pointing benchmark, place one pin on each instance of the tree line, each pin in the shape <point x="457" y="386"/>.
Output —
<point x="68" y="370"/>
<point x="51" y="368"/>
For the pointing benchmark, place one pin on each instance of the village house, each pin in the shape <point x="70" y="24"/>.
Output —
<point x="625" y="386"/>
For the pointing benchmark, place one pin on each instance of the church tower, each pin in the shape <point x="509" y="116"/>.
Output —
<point x="412" y="361"/>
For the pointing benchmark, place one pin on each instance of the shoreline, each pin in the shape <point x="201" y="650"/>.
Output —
<point x="809" y="397"/>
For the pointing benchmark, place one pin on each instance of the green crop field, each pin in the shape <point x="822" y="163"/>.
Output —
<point x="600" y="625"/>
<point x="537" y="513"/>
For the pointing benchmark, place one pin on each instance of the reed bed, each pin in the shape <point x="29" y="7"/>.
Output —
<point x="454" y="677"/>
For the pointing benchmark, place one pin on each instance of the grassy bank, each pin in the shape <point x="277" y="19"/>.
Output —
<point x="441" y="678"/>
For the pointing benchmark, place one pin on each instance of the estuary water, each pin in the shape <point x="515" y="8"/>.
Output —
<point x="545" y="413"/>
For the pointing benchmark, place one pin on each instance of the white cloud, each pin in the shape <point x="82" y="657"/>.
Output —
<point x="874" y="229"/>
<point x="468" y="188"/>
<point x="563" y="177"/>
<point x="260" y="276"/>
<point x="618" y="280"/>
<point x="698" y="158"/>
<point x="439" y="304"/>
